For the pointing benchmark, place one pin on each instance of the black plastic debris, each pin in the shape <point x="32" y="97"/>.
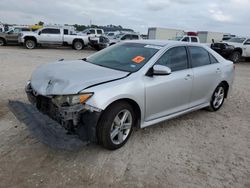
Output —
<point x="44" y="128"/>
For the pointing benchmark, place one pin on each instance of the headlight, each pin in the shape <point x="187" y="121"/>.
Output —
<point x="71" y="99"/>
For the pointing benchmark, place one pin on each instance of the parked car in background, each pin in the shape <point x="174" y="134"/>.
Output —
<point x="186" y="38"/>
<point x="99" y="43"/>
<point x="112" y="34"/>
<point x="124" y="37"/>
<point x="102" y="42"/>
<point x="234" y="48"/>
<point x="52" y="36"/>
<point x="93" y="32"/>
<point x="133" y="83"/>
<point x="11" y="36"/>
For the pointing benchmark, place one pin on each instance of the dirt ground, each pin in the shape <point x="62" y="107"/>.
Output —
<point x="201" y="149"/>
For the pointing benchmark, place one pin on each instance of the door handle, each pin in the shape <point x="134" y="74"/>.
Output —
<point x="218" y="70"/>
<point x="188" y="76"/>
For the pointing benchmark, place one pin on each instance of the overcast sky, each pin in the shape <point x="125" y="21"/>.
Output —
<point x="190" y="15"/>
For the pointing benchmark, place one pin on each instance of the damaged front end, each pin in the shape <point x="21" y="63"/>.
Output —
<point x="70" y="111"/>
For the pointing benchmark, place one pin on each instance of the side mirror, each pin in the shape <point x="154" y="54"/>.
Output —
<point x="39" y="33"/>
<point x="161" y="70"/>
<point x="88" y="33"/>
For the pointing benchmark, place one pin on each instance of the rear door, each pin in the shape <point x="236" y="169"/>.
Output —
<point x="207" y="73"/>
<point x="169" y="94"/>
<point x="135" y="37"/>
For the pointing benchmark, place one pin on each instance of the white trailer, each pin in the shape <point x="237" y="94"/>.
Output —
<point x="209" y="37"/>
<point x="164" y="33"/>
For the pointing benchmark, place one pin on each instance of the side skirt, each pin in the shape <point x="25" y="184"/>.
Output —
<point x="171" y="116"/>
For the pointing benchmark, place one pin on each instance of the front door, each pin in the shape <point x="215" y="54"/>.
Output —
<point x="50" y="36"/>
<point x="169" y="94"/>
<point x="12" y="36"/>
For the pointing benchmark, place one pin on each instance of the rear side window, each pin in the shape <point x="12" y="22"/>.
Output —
<point x="126" y="37"/>
<point x="92" y="31"/>
<point x="51" y="31"/>
<point x="186" y="39"/>
<point x="193" y="39"/>
<point x="175" y="59"/>
<point x="65" y="31"/>
<point x="199" y="56"/>
<point x="99" y="31"/>
<point x="135" y="37"/>
<point x="213" y="59"/>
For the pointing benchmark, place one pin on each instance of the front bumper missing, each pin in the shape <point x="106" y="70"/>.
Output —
<point x="45" y="129"/>
<point x="78" y="119"/>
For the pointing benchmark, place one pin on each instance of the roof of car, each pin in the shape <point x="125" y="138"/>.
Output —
<point x="157" y="42"/>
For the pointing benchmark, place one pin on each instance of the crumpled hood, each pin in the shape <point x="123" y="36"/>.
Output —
<point x="70" y="77"/>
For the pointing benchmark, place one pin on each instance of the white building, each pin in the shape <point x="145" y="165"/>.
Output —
<point x="164" y="33"/>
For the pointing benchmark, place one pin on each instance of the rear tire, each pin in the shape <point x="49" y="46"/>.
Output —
<point x="235" y="57"/>
<point x="78" y="45"/>
<point x="217" y="98"/>
<point x="116" y="125"/>
<point x="2" y="42"/>
<point x="30" y="44"/>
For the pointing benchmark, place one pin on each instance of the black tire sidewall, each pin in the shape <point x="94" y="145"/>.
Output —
<point x="106" y="121"/>
<point x="232" y="56"/>
<point x="213" y="96"/>
<point x="3" y="41"/>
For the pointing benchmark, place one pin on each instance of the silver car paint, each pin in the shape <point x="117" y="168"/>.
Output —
<point x="137" y="87"/>
<point x="159" y="97"/>
<point x="64" y="78"/>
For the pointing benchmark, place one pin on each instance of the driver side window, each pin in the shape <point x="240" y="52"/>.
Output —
<point x="175" y="58"/>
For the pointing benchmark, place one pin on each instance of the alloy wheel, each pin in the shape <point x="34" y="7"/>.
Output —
<point x="78" y="45"/>
<point x="218" y="97"/>
<point x="30" y="44"/>
<point x="121" y="127"/>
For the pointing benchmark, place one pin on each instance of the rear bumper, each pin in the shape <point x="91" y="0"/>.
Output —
<point x="78" y="119"/>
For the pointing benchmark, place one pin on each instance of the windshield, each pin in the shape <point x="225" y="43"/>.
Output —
<point x="237" y="40"/>
<point x="85" y="31"/>
<point x="129" y="57"/>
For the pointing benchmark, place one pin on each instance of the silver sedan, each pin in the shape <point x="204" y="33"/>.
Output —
<point x="136" y="83"/>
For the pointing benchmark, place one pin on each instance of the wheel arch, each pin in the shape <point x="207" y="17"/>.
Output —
<point x="78" y="39"/>
<point x="135" y="106"/>
<point x="238" y="50"/>
<point x="225" y="83"/>
<point x="4" y="40"/>
<point x="30" y="37"/>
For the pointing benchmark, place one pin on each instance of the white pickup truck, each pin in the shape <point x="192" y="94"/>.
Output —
<point x="52" y="36"/>
<point x="186" y="38"/>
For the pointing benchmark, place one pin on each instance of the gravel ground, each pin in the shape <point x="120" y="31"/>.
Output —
<point x="201" y="149"/>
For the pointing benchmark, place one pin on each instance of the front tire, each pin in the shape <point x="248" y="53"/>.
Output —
<point x="235" y="57"/>
<point x="116" y="125"/>
<point x="2" y="42"/>
<point x="78" y="45"/>
<point x="218" y="98"/>
<point x="30" y="44"/>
